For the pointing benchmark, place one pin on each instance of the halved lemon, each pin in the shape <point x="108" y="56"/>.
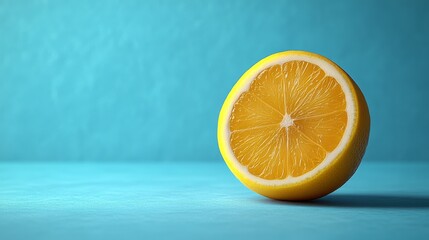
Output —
<point x="294" y="127"/>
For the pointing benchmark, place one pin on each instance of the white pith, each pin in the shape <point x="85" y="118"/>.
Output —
<point x="329" y="70"/>
<point x="287" y="121"/>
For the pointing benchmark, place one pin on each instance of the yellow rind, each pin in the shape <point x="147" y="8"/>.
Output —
<point x="327" y="179"/>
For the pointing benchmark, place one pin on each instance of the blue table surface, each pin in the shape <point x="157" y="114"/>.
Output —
<point x="203" y="201"/>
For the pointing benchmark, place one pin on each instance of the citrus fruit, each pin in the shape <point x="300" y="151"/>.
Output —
<point x="294" y="127"/>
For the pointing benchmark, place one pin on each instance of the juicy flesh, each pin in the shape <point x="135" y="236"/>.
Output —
<point x="291" y="117"/>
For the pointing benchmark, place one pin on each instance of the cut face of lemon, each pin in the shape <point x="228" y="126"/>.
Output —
<point x="294" y="127"/>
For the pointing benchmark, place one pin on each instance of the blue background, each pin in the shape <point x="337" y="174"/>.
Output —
<point x="145" y="80"/>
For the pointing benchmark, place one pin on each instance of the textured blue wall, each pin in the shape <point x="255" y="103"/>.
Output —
<point x="145" y="80"/>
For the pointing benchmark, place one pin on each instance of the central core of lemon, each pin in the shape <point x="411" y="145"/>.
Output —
<point x="287" y="121"/>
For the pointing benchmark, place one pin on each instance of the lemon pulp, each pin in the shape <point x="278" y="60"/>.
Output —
<point x="289" y="119"/>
